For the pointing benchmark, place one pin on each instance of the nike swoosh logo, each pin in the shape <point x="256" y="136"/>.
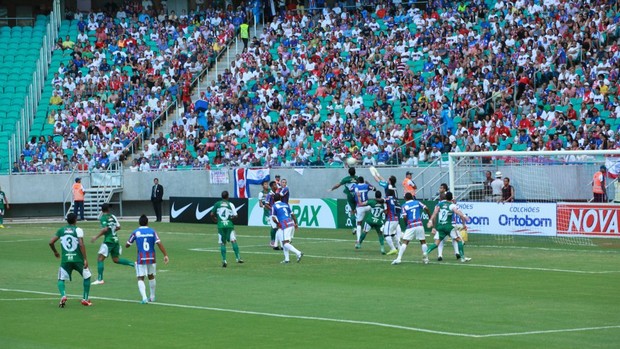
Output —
<point x="238" y="208"/>
<point x="200" y="214"/>
<point x="175" y="213"/>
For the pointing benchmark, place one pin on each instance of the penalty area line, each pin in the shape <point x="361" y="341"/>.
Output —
<point x="468" y="265"/>
<point x="324" y="319"/>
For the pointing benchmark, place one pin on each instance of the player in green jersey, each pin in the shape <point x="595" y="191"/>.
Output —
<point x="110" y="244"/>
<point x="4" y="205"/>
<point x="375" y="219"/>
<point x="73" y="257"/>
<point x="443" y="189"/>
<point x="223" y="213"/>
<point x="444" y="212"/>
<point x="349" y="183"/>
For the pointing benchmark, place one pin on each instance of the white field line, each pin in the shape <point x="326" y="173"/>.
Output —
<point x="27" y="299"/>
<point x="324" y="319"/>
<point x="22" y="240"/>
<point x="266" y="236"/>
<point x="445" y="264"/>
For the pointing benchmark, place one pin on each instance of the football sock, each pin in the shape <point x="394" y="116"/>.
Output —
<point x="396" y="240"/>
<point x="235" y="249"/>
<point x="390" y="243"/>
<point x="86" y="285"/>
<point x="272" y="233"/>
<point x="1" y="219"/>
<point x="124" y="261"/>
<point x="286" y="254"/>
<point x="362" y="237"/>
<point x="461" y="252"/>
<point x="358" y="232"/>
<point x="455" y="245"/>
<point x="99" y="270"/>
<point x="401" y="251"/>
<point x="142" y="289"/>
<point x="291" y="248"/>
<point x="431" y="247"/>
<point x="152" y="284"/>
<point x="440" y="248"/>
<point x="381" y="238"/>
<point x="424" y="248"/>
<point x="223" y="251"/>
<point x="61" y="287"/>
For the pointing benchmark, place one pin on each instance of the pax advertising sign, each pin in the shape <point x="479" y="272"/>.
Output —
<point x="592" y="220"/>
<point x="310" y="213"/>
<point x="517" y="218"/>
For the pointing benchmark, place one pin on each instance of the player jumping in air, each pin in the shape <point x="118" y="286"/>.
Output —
<point x="349" y="183"/>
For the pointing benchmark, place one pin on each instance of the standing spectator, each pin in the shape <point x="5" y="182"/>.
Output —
<point x="3" y="201"/>
<point x="599" y="189"/>
<point x="157" y="196"/>
<point x="488" y="190"/>
<point x="78" y="198"/>
<point x="244" y="33"/>
<point x="409" y="185"/>
<point x="496" y="186"/>
<point x="508" y="191"/>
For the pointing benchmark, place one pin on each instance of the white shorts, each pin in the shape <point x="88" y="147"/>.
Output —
<point x="233" y="237"/>
<point x="360" y="212"/>
<point x="103" y="250"/>
<point x="64" y="275"/>
<point x="415" y="232"/>
<point x="390" y="228"/>
<point x="286" y="234"/>
<point x="145" y="269"/>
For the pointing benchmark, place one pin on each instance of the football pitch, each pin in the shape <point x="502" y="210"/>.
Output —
<point x="513" y="294"/>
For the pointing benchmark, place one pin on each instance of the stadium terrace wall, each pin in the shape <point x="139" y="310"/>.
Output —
<point x="39" y="194"/>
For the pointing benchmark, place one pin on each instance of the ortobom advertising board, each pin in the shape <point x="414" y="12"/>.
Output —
<point x="518" y="218"/>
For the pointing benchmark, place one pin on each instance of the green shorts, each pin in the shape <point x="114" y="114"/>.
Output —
<point x="443" y="232"/>
<point x="226" y="235"/>
<point x="374" y="223"/>
<point x="352" y="203"/>
<point x="67" y="268"/>
<point x="110" y="249"/>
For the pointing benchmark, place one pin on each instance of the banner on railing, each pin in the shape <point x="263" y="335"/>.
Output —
<point x="219" y="177"/>
<point x="591" y="220"/>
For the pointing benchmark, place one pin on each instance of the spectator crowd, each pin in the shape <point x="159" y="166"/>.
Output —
<point x="384" y="82"/>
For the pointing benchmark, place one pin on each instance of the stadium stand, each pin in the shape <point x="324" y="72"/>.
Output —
<point x="405" y="85"/>
<point x="19" y="50"/>
<point x="111" y="77"/>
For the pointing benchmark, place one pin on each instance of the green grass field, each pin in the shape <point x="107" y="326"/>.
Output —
<point x="513" y="294"/>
